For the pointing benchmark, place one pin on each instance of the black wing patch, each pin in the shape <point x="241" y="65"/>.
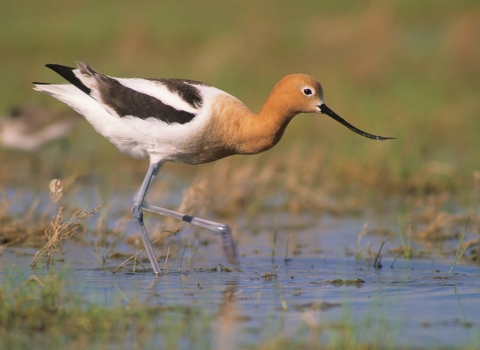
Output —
<point x="125" y="101"/>
<point x="184" y="89"/>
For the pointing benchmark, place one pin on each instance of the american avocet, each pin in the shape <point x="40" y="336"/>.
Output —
<point x="184" y="121"/>
<point x="29" y="127"/>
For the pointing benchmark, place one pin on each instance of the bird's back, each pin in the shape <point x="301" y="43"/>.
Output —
<point x="160" y="119"/>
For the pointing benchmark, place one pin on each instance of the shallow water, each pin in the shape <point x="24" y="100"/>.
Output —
<point x="415" y="303"/>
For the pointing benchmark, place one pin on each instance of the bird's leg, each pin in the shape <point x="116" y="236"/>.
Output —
<point x="228" y="243"/>
<point x="138" y="214"/>
<point x="225" y="232"/>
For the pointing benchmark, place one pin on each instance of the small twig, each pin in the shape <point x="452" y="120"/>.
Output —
<point x="393" y="262"/>
<point x="190" y="259"/>
<point x="166" y="259"/>
<point x="275" y="231"/>
<point x="286" y="249"/>
<point x="181" y="260"/>
<point x="457" y="255"/>
<point x="135" y="259"/>
<point x="362" y="233"/>
<point x="377" y="265"/>
<point x="134" y="256"/>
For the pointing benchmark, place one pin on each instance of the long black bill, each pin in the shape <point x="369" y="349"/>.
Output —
<point x="325" y="110"/>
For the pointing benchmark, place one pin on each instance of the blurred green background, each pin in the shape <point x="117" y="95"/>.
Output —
<point x="406" y="69"/>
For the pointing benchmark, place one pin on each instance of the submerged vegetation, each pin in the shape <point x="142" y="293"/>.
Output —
<point x="44" y="311"/>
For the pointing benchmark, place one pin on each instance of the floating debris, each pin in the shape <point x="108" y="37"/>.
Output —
<point x="220" y="268"/>
<point x="340" y="282"/>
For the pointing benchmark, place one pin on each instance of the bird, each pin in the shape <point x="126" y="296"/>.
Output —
<point x="184" y="121"/>
<point x="29" y="127"/>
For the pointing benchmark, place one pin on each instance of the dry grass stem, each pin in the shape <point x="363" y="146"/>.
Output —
<point x="134" y="257"/>
<point x="166" y="259"/>
<point x="59" y="231"/>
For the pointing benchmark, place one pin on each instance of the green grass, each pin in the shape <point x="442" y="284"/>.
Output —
<point x="404" y="69"/>
<point x="43" y="311"/>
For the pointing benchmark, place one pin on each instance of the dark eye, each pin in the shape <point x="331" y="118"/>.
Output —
<point x="307" y="91"/>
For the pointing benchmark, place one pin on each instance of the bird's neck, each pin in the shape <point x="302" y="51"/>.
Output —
<point x="250" y="133"/>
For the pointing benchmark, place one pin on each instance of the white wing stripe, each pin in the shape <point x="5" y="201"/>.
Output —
<point x="159" y="91"/>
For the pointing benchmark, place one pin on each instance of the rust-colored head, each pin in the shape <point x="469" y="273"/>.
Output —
<point x="296" y="93"/>
<point x="300" y="93"/>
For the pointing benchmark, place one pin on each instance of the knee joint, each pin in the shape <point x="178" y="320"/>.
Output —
<point x="137" y="212"/>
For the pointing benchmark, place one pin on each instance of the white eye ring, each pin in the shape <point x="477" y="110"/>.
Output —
<point x="308" y="91"/>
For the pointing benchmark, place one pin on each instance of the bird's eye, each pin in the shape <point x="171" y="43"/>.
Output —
<point x="308" y="91"/>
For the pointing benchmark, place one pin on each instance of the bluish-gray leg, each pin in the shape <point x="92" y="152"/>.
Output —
<point x="223" y="230"/>
<point x="228" y="244"/>
<point x="138" y="214"/>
